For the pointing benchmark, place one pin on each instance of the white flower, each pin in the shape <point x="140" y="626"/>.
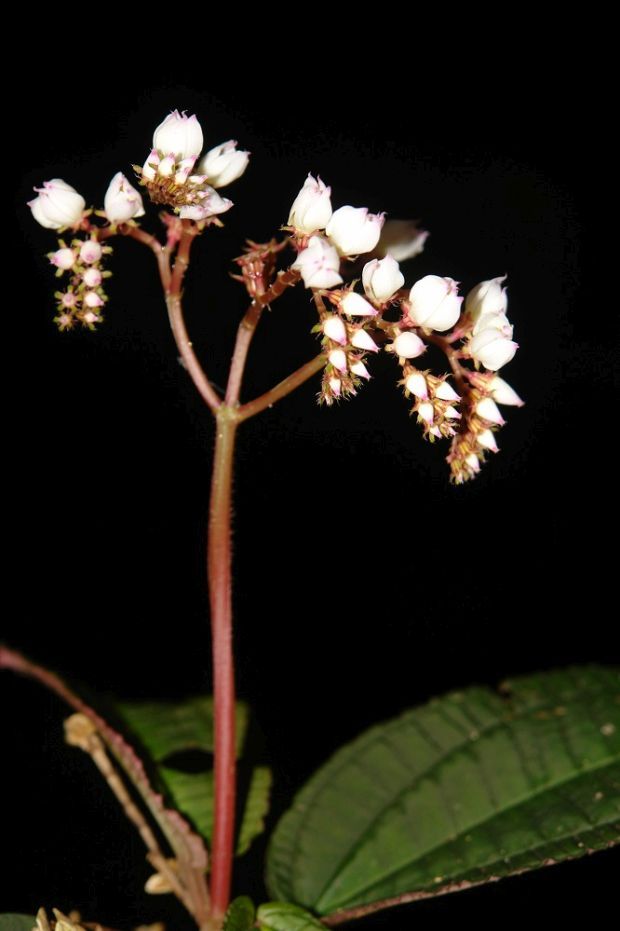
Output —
<point x="446" y="392"/>
<point x="354" y="231"/>
<point x="63" y="258"/>
<point x="334" y="329"/>
<point x="358" y="368"/>
<point x="493" y="321"/>
<point x="312" y="208"/>
<point x="354" y="305"/>
<point x="122" y="201"/>
<point x="486" y="438"/>
<point x="90" y="252"/>
<point x="223" y="164"/>
<point x="381" y="279"/>
<point x="57" y="205"/>
<point x="92" y="299"/>
<point x="407" y="346"/>
<point x="502" y="393"/>
<point x="488" y="410"/>
<point x="363" y="340"/>
<point x="402" y="239"/>
<point x="210" y="205"/>
<point x="338" y="358"/>
<point x="416" y="384"/>
<point x="434" y="303"/>
<point x="487" y="297"/>
<point x="492" y="349"/>
<point x="179" y="135"/>
<point x="318" y="264"/>
<point x="92" y="277"/>
<point x="149" y="169"/>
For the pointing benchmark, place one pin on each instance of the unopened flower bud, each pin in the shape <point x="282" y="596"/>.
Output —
<point x="223" y="164"/>
<point x="318" y="264"/>
<point x="426" y="412"/>
<point x="179" y="135"/>
<point x="495" y="321"/>
<point x="335" y="384"/>
<point x="358" y="368"/>
<point x="451" y="413"/>
<point x="122" y="202"/>
<point x="486" y="439"/>
<point x="68" y="299"/>
<point x="488" y="410"/>
<point x="502" y="393"/>
<point x="57" y="205"/>
<point x="492" y="349"/>
<point x="149" y="169"/>
<point x="63" y="258"/>
<point x="354" y="231"/>
<point x="473" y="462"/>
<point x="91" y="317"/>
<point x="183" y="170"/>
<point x="381" y="279"/>
<point x="407" y="346"/>
<point x="363" y="340"/>
<point x="312" y="208"/>
<point x="338" y="358"/>
<point x="446" y="392"/>
<point x="92" y="299"/>
<point x="434" y="303"/>
<point x="90" y="252"/>
<point x="416" y="384"/>
<point x="92" y="277"/>
<point x="211" y="205"/>
<point x="334" y="329"/>
<point x="354" y="305"/>
<point x="487" y="297"/>
<point x="166" y="166"/>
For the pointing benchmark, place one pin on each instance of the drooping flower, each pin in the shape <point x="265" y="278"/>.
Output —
<point x="434" y="303"/>
<point x="381" y="279"/>
<point x="122" y="202"/>
<point x="312" y="208"/>
<point x="353" y="230"/>
<point x="57" y="205"/>
<point x="179" y="135"/>
<point x="223" y="164"/>
<point x="318" y="264"/>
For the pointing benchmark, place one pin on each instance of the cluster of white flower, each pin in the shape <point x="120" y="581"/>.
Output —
<point x="352" y="325"/>
<point x="432" y="306"/>
<point x="169" y="173"/>
<point x="82" y="300"/>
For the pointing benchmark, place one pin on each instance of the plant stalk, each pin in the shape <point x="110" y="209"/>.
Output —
<point x="220" y="595"/>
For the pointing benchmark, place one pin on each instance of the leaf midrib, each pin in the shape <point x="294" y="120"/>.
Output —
<point x="377" y="737"/>
<point x="472" y="827"/>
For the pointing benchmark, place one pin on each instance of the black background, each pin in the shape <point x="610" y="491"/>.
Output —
<point x="365" y="583"/>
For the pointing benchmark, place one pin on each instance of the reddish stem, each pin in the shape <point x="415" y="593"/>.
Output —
<point x="220" y="593"/>
<point x="279" y="391"/>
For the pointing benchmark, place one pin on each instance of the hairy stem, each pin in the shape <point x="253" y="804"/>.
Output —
<point x="245" y="334"/>
<point x="220" y="594"/>
<point x="279" y="391"/>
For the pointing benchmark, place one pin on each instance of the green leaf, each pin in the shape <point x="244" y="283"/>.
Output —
<point x="168" y="728"/>
<point x="468" y="788"/>
<point x="174" y="727"/>
<point x="240" y="915"/>
<point x="12" y="922"/>
<point x="192" y="794"/>
<point x="256" y="808"/>
<point x="281" y="916"/>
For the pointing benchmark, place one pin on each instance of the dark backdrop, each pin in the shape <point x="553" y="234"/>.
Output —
<point x="365" y="582"/>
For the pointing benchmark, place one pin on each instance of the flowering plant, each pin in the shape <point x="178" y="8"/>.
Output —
<point x="367" y="831"/>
